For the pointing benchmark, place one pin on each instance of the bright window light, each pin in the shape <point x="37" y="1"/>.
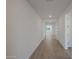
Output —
<point x="48" y="28"/>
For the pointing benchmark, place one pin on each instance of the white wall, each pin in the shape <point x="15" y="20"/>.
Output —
<point x="61" y="30"/>
<point x="68" y="29"/>
<point x="23" y="30"/>
<point x="62" y="33"/>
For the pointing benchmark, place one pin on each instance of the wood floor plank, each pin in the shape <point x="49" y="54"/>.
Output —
<point x="50" y="50"/>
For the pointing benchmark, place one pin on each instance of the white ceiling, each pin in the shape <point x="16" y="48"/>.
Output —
<point x="45" y="8"/>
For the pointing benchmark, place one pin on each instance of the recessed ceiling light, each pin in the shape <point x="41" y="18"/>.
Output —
<point x="50" y="16"/>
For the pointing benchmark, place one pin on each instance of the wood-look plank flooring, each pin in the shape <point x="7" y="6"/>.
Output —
<point x="50" y="49"/>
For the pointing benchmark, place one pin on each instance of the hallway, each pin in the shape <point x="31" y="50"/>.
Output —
<point x="50" y="50"/>
<point x="29" y="22"/>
